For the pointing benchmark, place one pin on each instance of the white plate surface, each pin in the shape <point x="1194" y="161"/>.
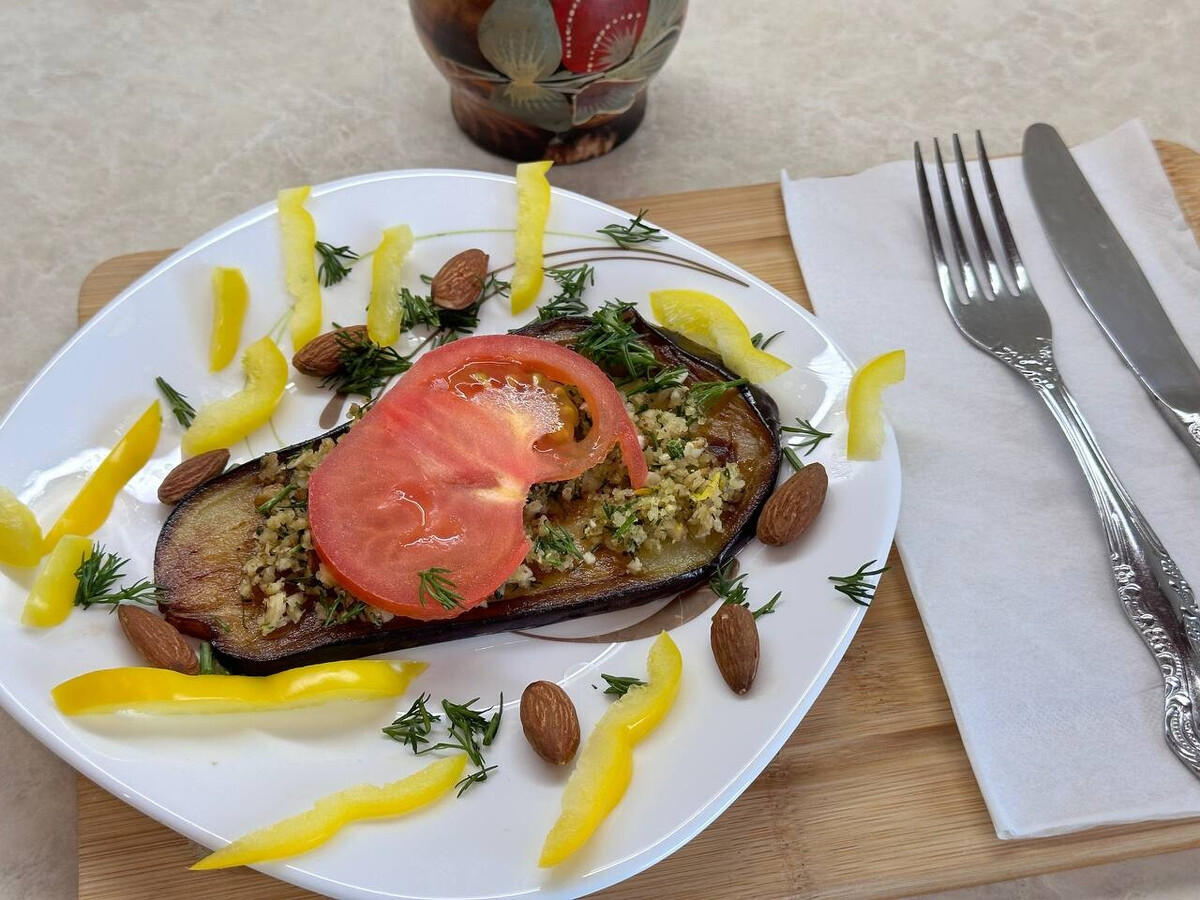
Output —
<point x="214" y="778"/>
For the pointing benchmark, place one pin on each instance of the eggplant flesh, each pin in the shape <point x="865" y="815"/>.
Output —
<point x="211" y="533"/>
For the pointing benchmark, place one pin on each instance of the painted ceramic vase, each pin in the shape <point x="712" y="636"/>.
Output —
<point x="549" y="79"/>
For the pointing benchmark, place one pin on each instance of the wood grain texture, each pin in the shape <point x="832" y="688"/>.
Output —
<point x="873" y="796"/>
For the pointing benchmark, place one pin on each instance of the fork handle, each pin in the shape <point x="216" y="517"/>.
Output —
<point x="1156" y="597"/>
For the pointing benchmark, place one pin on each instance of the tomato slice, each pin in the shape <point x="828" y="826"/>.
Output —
<point x="436" y="474"/>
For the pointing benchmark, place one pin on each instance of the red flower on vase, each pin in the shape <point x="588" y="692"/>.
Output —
<point x="598" y="34"/>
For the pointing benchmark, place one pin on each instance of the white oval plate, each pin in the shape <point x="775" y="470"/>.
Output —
<point x="215" y="778"/>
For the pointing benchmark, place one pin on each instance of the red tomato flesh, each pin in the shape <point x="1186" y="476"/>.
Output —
<point x="436" y="474"/>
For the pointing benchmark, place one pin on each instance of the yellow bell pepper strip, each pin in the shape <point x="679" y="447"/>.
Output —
<point x="605" y="765"/>
<point x="712" y="323"/>
<point x="312" y="828"/>
<point x="533" y="206"/>
<point x="231" y="298"/>
<point x="300" y="264"/>
<point x="223" y="423"/>
<point x="53" y="594"/>
<point x="166" y="692"/>
<point x="95" y="499"/>
<point x="20" y="534"/>
<point x="384" y="315"/>
<point x="864" y="404"/>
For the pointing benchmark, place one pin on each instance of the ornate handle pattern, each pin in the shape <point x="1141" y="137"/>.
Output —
<point x="1185" y="424"/>
<point x="1156" y="597"/>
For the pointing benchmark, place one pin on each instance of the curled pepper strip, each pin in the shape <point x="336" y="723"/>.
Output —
<point x="231" y="298"/>
<point x="20" y="534"/>
<point x="864" y="404"/>
<point x="533" y="206"/>
<point x="312" y="828"/>
<point x="225" y="422"/>
<point x="167" y="692"/>
<point x="384" y="315"/>
<point x="53" y="594"/>
<point x="95" y="499"/>
<point x="605" y="765"/>
<point x="299" y="233"/>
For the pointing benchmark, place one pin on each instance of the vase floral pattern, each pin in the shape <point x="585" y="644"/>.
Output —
<point x="562" y="65"/>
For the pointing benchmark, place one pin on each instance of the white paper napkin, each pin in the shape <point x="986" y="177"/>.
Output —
<point x="1059" y="703"/>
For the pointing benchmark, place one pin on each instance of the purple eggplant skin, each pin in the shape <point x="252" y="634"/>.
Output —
<point x="209" y="535"/>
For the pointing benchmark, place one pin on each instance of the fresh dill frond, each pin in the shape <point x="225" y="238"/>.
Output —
<point x="342" y="608"/>
<point x="437" y="586"/>
<point x="809" y="435"/>
<point x="415" y="310"/>
<point x="569" y="300"/>
<point x="732" y="590"/>
<point x="675" y="447"/>
<point x="454" y="323"/>
<point x="97" y="577"/>
<point x="790" y="455"/>
<point x="620" y="684"/>
<point x="761" y="344"/>
<point x="264" y="509"/>
<point x="413" y="728"/>
<point x="180" y="408"/>
<point x="769" y="607"/>
<point x="704" y="394"/>
<point x="365" y="365"/>
<point x="611" y="342"/>
<point x="856" y="586"/>
<point x="633" y="233"/>
<point x="661" y="380"/>
<point x="336" y="262"/>
<point x="556" y="545"/>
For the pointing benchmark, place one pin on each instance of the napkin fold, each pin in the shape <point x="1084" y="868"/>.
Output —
<point x="1059" y="703"/>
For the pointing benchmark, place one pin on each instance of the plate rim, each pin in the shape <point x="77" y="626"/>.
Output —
<point x="614" y="873"/>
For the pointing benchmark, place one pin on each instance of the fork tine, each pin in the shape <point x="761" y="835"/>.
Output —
<point x="982" y="243"/>
<point x="1006" y="236"/>
<point x="949" y="291"/>
<point x="958" y="246"/>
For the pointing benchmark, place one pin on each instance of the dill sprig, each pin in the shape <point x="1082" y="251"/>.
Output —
<point x="492" y="287"/>
<point x="413" y="728"/>
<point x="208" y="663"/>
<point x="264" y="508"/>
<point x="611" y="342"/>
<point x="620" y="684"/>
<point x="342" y="608"/>
<point x="98" y="576"/>
<point x="365" y="366"/>
<point x="453" y="323"/>
<point x="469" y="730"/>
<point x="666" y="377"/>
<point x="183" y="411"/>
<point x="437" y="586"/>
<point x="628" y="520"/>
<point x="732" y="589"/>
<point x="636" y="232"/>
<point x="762" y="344"/>
<point x="336" y="262"/>
<point x="675" y="448"/>
<point x="569" y="300"/>
<point x="704" y="394"/>
<point x="809" y="436"/>
<point x="790" y="455"/>
<point x="856" y="586"/>
<point x="416" y="309"/>
<point x="557" y="544"/>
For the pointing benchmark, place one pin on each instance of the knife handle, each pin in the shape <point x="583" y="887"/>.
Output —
<point x="1184" y="424"/>
<point x="1155" y="596"/>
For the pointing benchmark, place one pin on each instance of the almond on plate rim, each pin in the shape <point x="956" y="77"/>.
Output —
<point x="322" y="356"/>
<point x="735" y="646"/>
<point x="550" y="722"/>
<point x="791" y="510"/>
<point x="190" y="474"/>
<point x="459" y="282"/>
<point x="157" y="640"/>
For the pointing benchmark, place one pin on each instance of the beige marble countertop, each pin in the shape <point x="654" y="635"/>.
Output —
<point x="131" y="124"/>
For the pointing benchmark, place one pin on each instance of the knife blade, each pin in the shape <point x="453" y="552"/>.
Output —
<point x="1111" y="283"/>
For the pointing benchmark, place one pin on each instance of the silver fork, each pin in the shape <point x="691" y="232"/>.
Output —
<point x="1005" y="319"/>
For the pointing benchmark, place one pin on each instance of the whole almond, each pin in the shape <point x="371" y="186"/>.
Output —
<point x="458" y="283"/>
<point x="322" y="356"/>
<point x="549" y="721"/>
<point x="190" y="474"/>
<point x="734" y="638"/>
<point x="792" y="508"/>
<point x="157" y="640"/>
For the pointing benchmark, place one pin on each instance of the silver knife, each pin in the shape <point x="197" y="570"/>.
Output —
<point x="1111" y="282"/>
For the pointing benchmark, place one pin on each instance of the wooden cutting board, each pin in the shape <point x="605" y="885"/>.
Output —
<point x="871" y="798"/>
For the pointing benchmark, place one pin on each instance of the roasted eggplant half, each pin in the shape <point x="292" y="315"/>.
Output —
<point x="202" y="553"/>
